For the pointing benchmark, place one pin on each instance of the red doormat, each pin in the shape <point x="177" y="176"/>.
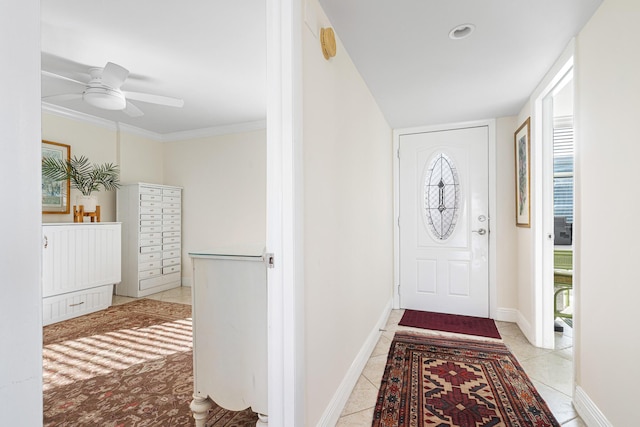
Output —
<point x="468" y="325"/>
<point x="445" y="382"/>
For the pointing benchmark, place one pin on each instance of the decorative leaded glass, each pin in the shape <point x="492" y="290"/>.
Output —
<point x="442" y="196"/>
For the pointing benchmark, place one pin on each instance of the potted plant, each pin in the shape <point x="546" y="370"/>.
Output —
<point x="84" y="176"/>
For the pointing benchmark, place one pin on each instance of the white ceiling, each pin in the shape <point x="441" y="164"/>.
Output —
<point x="213" y="55"/>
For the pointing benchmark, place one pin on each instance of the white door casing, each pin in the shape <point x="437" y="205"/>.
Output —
<point x="444" y="244"/>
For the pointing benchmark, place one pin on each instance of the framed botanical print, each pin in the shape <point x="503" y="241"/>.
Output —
<point x="55" y="194"/>
<point x="522" y="140"/>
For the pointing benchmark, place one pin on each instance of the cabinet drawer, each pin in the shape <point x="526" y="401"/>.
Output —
<point x="150" y="242"/>
<point x="149" y="249"/>
<point x="149" y="223"/>
<point x="174" y="192"/>
<point x="171" y="247"/>
<point x="171" y="234"/>
<point x="170" y="199"/>
<point x="151" y="197"/>
<point x="151" y="229"/>
<point x="170" y="261"/>
<point x="151" y="217"/>
<point x="171" y="205"/>
<point x="171" y="269"/>
<point x="168" y="240"/>
<point x="158" y="281"/>
<point x="149" y="265"/>
<point x="150" y="210"/>
<point x="150" y="235"/>
<point x="149" y="273"/>
<point x="170" y="254"/>
<point x="149" y="204"/>
<point x="171" y="222"/>
<point x="172" y="217"/>
<point x="150" y="190"/>
<point x="63" y="307"/>
<point x="149" y="257"/>
<point x="171" y="227"/>
<point x="171" y="211"/>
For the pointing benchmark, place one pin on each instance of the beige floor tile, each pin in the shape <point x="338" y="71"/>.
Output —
<point x="522" y="348"/>
<point x="362" y="397"/>
<point x="358" y="419"/>
<point x="382" y="347"/>
<point x="559" y="403"/>
<point x="118" y="300"/>
<point x="374" y="369"/>
<point x="552" y="370"/>
<point x="576" y="422"/>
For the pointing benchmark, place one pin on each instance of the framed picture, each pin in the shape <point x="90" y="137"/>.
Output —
<point x="522" y="139"/>
<point x="55" y="194"/>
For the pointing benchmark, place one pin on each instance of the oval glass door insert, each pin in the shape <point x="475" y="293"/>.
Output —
<point x="441" y="196"/>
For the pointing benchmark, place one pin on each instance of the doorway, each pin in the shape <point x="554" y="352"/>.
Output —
<point x="445" y="193"/>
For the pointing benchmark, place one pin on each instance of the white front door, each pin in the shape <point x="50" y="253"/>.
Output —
<point x="444" y="221"/>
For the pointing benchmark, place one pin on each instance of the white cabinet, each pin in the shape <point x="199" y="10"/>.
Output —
<point x="151" y="233"/>
<point x="229" y="297"/>
<point x="80" y="265"/>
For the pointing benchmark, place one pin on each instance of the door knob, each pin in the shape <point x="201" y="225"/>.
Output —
<point x="481" y="231"/>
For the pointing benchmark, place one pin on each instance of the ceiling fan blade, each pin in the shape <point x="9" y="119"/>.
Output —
<point x="114" y="75"/>
<point x="154" y="99"/>
<point x="63" y="97"/>
<point x="58" y="76"/>
<point x="132" y="111"/>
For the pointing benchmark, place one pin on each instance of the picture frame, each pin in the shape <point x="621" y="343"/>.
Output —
<point x="55" y="194"/>
<point x="522" y="145"/>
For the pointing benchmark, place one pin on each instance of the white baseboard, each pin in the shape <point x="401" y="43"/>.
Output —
<point x="336" y="405"/>
<point x="506" y="315"/>
<point x="526" y="328"/>
<point x="588" y="411"/>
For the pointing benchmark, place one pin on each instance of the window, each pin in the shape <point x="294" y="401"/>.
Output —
<point x="563" y="168"/>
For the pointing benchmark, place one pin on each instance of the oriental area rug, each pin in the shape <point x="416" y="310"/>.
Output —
<point x="468" y="325"/>
<point x="441" y="382"/>
<point x="130" y="365"/>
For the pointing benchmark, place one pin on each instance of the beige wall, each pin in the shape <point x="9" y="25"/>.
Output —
<point x="97" y="143"/>
<point x="506" y="256"/>
<point x="348" y="225"/>
<point x="607" y="151"/>
<point x="140" y="159"/>
<point x="224" y="190"/>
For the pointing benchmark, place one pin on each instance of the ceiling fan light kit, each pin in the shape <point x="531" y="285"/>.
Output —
<point x="105" y="98"/>
<point x="103" y="91"/>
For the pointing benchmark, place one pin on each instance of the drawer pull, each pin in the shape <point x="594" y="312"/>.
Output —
<point x="76" y="304"/>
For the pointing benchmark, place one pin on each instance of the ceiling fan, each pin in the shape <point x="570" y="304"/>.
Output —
<point x="103" y="91"/>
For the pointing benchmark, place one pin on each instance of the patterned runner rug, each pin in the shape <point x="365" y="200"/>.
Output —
<point x="130" y="365"/>
<point x="439" y="382"/>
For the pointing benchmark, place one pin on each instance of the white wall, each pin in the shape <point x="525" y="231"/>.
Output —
<point x="224" y="196"/>
<point x="606" y="239"/>
<point x="348" y="218"/>
<point x="20" y="304"/>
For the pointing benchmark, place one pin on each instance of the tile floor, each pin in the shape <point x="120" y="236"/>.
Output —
<point x="550" y="370"/>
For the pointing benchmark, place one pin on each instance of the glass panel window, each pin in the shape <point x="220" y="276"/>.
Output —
<point x="441" y="196"/>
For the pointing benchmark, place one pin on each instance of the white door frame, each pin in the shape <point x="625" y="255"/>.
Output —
<point x="284" y="214"/>
<point x="491" y="126"/>
<point x="542" y="199"/>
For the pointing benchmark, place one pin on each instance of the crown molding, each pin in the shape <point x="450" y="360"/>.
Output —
<point x="159" y="137"/>
<point x="215" y="131"/>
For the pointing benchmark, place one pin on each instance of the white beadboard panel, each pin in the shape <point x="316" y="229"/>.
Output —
<point x="66" y="306"/>
<point x="80" y="256"/>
